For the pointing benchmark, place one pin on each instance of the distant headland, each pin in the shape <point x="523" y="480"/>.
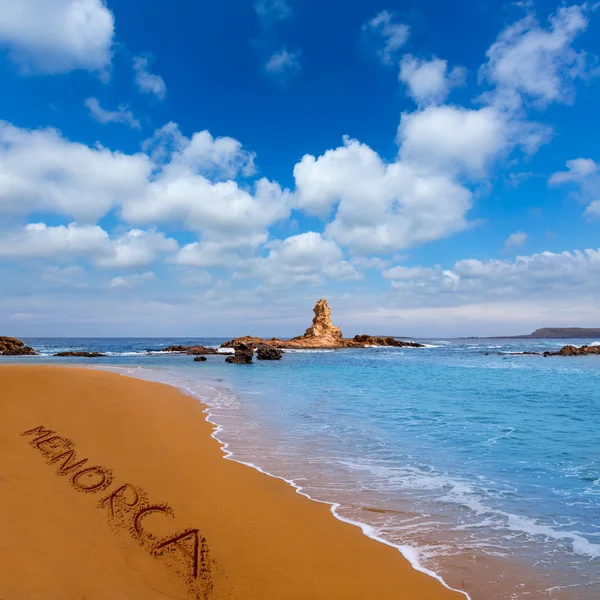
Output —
<point x="564" y="333"/>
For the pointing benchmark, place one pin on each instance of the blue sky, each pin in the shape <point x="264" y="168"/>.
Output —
<point x="199" y="168"/>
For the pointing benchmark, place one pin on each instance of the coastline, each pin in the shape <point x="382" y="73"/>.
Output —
<point x="153" y="435"/>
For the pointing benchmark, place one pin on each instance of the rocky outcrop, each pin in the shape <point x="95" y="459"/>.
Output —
<point x="13" y="347"/>
<point x="191" y="350"/>
<point x="249" y="340"/>
<point x="243" y="354"/>
<point x="268" y="353"/>
<point x="322" y="334"/>
<point x="370" y="340"/>
<point x="81" y="354"/>
<point x="575" y="351"/>
<point x="200" y="358"/>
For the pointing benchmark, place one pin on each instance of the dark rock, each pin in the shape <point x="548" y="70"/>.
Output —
<point x="371" y="340"/>
<point x="575" y="351"/>
<point x="268" y="353"/>
<point x="191" y="350"/>
<point x="201" y="350"/>
<point x="200" y="358"/>
<point x="81" y="354"/>
<point x="175" y="349"/>
<point x="243" y="354"/>
<point x="249" y="340"/>
<point x="13" y="347"/>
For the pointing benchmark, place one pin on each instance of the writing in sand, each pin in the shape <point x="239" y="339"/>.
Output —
<point x="128" y="506"/>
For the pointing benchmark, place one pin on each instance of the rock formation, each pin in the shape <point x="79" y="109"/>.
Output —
<point x="81" y="354"/>
<point x="370" y="340"/>
<point x="575" y="351"/>
<point x="321" y="334"/>
<point x="243" y="354"/>
<point x="268" y="353"/>
<point x="200" y="358"/>
<point x="192" y="350"/>
<point x="322" y="328"/>
<point x="13" y="347"/>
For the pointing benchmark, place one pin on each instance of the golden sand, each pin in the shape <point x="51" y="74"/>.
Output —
<point x="113" y="488"/>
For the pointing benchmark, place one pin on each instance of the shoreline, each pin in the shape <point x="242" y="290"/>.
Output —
<point x="408" y="553"/>
<point x="387" y="571"/>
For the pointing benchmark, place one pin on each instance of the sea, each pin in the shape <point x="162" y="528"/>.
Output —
<point x="480" y="463"/>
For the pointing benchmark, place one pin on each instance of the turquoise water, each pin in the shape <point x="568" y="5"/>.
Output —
<point x="484" y="468"/>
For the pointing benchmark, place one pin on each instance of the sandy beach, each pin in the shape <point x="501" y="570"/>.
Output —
<point x="111" y="487"/>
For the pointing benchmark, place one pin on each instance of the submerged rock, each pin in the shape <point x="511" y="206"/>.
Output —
<point x="268" y="353"/>
<point x="10" y="346"/>
<point x="200" y="358"/>
<point x="575" y="351"/>
<point x="81" y="354"/>
<point x="243" y="354"/>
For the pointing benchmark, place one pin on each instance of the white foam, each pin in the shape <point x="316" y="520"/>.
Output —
<point x="462" y="493"/>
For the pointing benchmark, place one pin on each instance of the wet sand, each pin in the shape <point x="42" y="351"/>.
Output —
<point x="112" y="487"/>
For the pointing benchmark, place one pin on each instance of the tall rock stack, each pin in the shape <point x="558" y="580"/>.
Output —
<point x="322" y="329"/>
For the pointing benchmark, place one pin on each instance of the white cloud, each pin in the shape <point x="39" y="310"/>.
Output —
<point x="194" y="277"/>
<point x="578" y="170"/>
<point x="57" y="36"/>
<point x="147" y="82"/>
<point x="429" y="82"/>
<point x="191" y="185"/>
<point x="218" y="210"/>
<point x="283" y="64"/>
<point x="380" y="207"/>
<point x="37" y="240"/>
<point x="384" y="207"/>
<point x="121" y="115"/>
<point x="536" y="62"/>
<point x="389" y="36"/>
<point x="131" y="281"/>
<point x="304" y="258"/>
<point x="370" y="263"/>
<point x="585" y="173"/>
<point x="135" y="248"/>
<point x="42" y="171"/>
<point x="72" y="275"/>
<point x="539" y="276"/>
<point x="271" y="11"/>
<point x="215" y="158"/>
<point x="232" y="253"/>
<point x="515" y="239"/>
<point x="457" y="139"/>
